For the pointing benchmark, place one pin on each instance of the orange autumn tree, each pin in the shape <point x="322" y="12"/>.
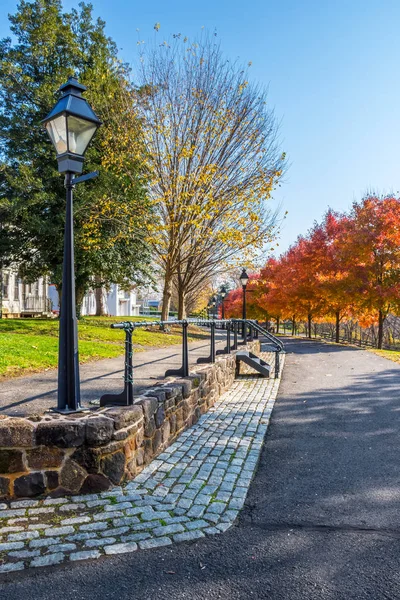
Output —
<point x="371" y="247"/>
<point x="333" y="273"/>
<point x="271" y="295"/>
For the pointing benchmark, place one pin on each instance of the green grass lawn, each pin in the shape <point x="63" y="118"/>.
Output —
<point x="31" y="345"/>
<point x="393" y="355"/>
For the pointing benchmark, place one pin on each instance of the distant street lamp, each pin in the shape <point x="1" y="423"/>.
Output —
<point x="244" y="278"/>
<point x="213" y="304"/>
<point x="71" y="124"/>
<point x="223" y="294"/>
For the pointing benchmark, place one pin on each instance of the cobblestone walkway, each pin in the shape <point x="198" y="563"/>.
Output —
<point x="194" y="488"/>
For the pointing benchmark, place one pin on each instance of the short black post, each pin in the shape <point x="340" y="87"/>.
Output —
<point x="212" y="355"/>
<point x="184" y="369"/>
<point x="185" y="349"/>
<point x="228" y="338"/>
<point x="276" y="365"/>
<point x="251" y="332"/>
<point x="227" y="349"/>
<point x="125" y="398"/>
<point x="235" y="335"/>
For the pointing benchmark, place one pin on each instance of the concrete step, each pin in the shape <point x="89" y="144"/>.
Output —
<point x="253" y="361"/>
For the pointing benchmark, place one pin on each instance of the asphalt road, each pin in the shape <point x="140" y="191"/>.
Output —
<point x="37" y="393"/>
<point x="322" y="518"/>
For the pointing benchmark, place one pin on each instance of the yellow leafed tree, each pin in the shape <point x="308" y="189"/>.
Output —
<point x="214" y="159"/>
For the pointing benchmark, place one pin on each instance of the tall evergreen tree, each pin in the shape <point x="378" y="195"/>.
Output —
<point x="111" y="212"/>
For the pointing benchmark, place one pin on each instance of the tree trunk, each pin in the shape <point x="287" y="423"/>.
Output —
<point x="293" y="325"/>
<point x="278" y="322"/>
<point x="79" y="295"/>
<point x="181" y="303"/>
<point x="166" y="301"/>
<point x="380" y="330"/>
<point x="100" y="306"/>
<point x="337" y="330"/>
<point x="309" y="325"/>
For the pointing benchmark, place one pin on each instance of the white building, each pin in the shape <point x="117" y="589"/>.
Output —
<point x="40" y="299"/>
<point x="117" y="302"/>
<point x="21" y="299"/>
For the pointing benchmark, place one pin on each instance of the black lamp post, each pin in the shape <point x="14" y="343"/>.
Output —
<point x="244" y="278"/>
<point x="71" y="124"/>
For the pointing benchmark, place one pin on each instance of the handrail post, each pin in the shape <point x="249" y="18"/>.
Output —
<point x="277" y="364"/>
<point x="212" y="355"/>
<point x="183" y="371"/>
<point x="235" y="335"/>
<point x="251" y="332"/>
<point x="128" y="366"/>
<point x="125" y="398"/>
<point x="185" y="349"/>
<point x="228" y="338"/>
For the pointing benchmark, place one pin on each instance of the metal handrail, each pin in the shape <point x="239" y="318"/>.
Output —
<point x="276" y="341"/>
<point x="126" y="397"/>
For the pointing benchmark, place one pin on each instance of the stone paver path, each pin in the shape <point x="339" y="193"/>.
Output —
<point x="196" y="487"/>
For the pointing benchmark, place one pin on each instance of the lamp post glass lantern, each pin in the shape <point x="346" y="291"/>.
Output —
<point x="71" y="125"/>
<point x="244" y="278"/>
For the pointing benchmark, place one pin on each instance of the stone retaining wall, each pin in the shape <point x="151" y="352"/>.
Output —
<point x="90" y="452"/>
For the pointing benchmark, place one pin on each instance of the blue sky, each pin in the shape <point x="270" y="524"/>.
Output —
<point x="333" y="74"/>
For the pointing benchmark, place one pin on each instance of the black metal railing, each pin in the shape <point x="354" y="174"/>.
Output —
<point x="251" y="329"/>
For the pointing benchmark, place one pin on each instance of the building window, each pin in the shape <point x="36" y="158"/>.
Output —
<point x="16" y="288"/>
<point x="6" y="283"/>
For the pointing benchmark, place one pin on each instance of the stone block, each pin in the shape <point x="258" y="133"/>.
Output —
<point x="95" y="483"/>
<point x="170" y="392"/>
<point x="16" y="432"/>
<point x="72" y="476"/>
<point x="29" y="485"/>
<point x="166" y="431"/>
<point x="121" y="434"/>
<point x="149" y="406"/>
<point x="61" y="433"/>
<point x="124" y="415"/>
<point x="87" y="458"/>
<point x="4" y="487"/>
<point x="148" y="450"/>
<point x="44" y="457"/>
<point x="179" y="418"/>
<point x="99" y="430"/>
<point x="149" y="426"/>
<point x="172" y="423"/>
<point x="113" y="466"/>
<point x="11" y="461"/>
<point x="139" y="437"/>
<point x="157" y="439"/>
<point x="52" y="479"/>
<point x="158" y="393"/>
<point x="130" y="448"/>
<point x="140" y="457"/>
<point x="160" y="416"/>
<point x="186" y="408"/>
